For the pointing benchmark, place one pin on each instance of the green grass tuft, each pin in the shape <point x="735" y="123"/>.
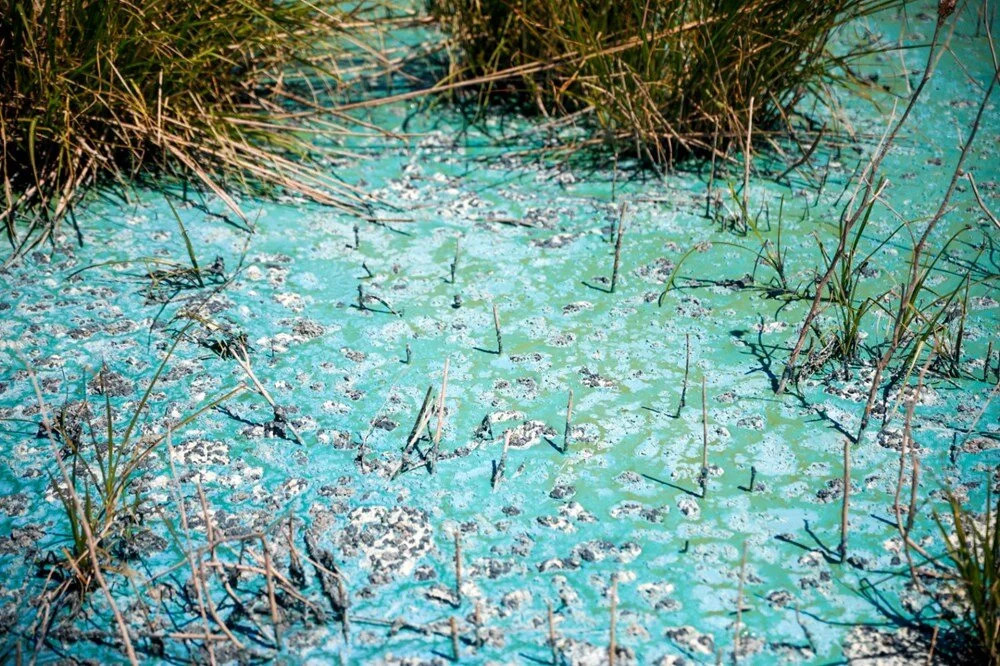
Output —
<point x="973" y="547"/>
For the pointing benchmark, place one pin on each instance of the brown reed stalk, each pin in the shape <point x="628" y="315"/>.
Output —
<point x="911" y="512"/>
<point x="455" y="654"/>
<point x="746" y="166"/>
<point x="435" y="451"/>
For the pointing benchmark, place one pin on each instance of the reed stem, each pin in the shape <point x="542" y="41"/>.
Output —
<point x="687" y="369"/>
<point x="496" y="326"/>
<point x="703" y="477"/>
<point x="618" y="246"/>
<point x="988" y="361"/>
<point x="498" y="471"/>
<point x="432" y="461"/>
<point x="845" y="506"/>
<point x="746" y="168"/>
<point x="911" y="513"/>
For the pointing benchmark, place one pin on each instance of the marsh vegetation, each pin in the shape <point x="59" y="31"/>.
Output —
<point x="643" y="397"/>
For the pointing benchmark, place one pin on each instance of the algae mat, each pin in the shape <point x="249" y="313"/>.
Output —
<point x="348" y="327"/>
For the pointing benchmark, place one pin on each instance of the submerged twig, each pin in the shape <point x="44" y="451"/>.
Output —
<point x="499" y="468"/>
<point x="703" y="476"/>
<point x="618" y="246"/>
<point x="496" y="327"/>
<point x="846" y="503"/>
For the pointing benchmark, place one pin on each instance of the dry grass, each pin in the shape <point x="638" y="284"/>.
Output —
<point x="104" y="91"/>
<point x="658" y="79"/>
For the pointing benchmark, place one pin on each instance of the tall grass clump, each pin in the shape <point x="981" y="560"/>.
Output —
<point x="104" y="91"/>
<point x="973" y="552"/>
<point x="659" y="79"/>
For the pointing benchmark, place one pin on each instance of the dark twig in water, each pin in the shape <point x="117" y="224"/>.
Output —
<point x="845" y="506"/>
<point x="454" y="262"/>
<point x="423" y="417"/>
<point x="331" y="581"/>
<point x="979" y="200"/>
<point x="618" y="246"/>
<point x="239" y="353"/>
<point x="272" y="604"/>
<point x="703" y="476"/>
<point x="496" y="326"/>
<point x="988" y="361"/>
<point x="687" y="368"/>
<point x="502" y="464"/>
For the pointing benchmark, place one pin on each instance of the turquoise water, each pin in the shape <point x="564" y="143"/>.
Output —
<point x="622" y="500"/>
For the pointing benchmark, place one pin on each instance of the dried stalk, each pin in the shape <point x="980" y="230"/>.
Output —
<point x="498" y="472"/>
<point x="703" y="476"/>
<point x="435" y="451"/>
<point x="618" y="246"/>
<point x="845" y="507"/>
<point x="496" y="327"/>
